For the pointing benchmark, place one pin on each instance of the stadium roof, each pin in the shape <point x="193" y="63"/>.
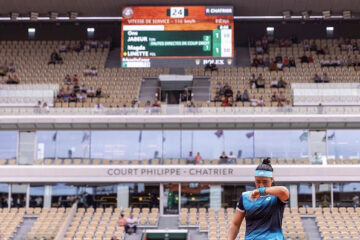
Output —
<point x="112" y="7"/>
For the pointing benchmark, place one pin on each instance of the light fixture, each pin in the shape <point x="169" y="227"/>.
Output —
<point x="73" y="15"/>
<point x="286" y="15"/>
<point x="31" y="30"/>
<point x="347" y="14"/>
<point x="330" y="29"/>
<point x="305" y="15"/>
<point x="34" y="16"/>
<point x="326" y="14"/>
<point x="270" y="30"/>
<point x="14" y="16"/>
<point x="53" y="15"/>
<point x="90" y="30"/>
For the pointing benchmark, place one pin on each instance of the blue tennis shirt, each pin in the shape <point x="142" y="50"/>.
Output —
<point x="263" y="217"/>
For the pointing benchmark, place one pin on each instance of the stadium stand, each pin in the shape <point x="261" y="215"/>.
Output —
<point x="10" y="219"/>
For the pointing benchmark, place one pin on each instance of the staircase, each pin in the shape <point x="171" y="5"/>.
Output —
<point x="310" y="228"/>
<point x="113" y="60"/>
<point x="148" y="89"/>
<point x="242" y="56"/>
<point x="24" y="228"/>
<point x="201" y="89"/>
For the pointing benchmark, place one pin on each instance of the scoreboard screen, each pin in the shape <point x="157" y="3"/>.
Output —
<point x="151" y="34"/>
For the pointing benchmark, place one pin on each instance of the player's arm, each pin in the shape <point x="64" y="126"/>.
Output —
<point x="281" y="192"/>
<point x="235" y="224"/>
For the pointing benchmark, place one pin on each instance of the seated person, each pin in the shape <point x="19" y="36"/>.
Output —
<point x="190" y="159"/>
<point x="304" y="59"/>
<point x="68" y="80"/>
<point x="260" y="82"/>
<point x="93" y="71"/>
<point x="238" y="96"/>
<point x="261" y="102"/>
<point x="325" y="78"/>
<point x="292" y="62"/>
<point x="87" y="71"/>
<point x="273" y="66"/>
<point x="122" y="221"/>
<point x="73" y="97"/>
<point x="274" y="83"/>
<point x="12" y="80"/>
<point x="274" y="97"/>
<point x="90" y="92"/>
<point x="282" y="83"/>
<point x="317" y="78"/>
<point x="228" y="91"/>
<point x="223" y="158"/>
<point x="281" y="97"/>
<point x="131" y="223"/>
<point x="245" y="96"/>
<point x="253" y="81"/>
<point x="225" y="102"/>
<point x="98" y="93"/>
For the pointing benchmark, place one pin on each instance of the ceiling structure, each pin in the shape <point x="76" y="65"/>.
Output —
<point x="113" y="7"/>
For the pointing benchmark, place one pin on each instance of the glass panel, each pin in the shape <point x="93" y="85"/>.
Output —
<point x="36" y="196"/>
<point x="8" y="144"/>
<point x="281" y="144"/>
<point x="18" y="195"/>
<point x="195" y="195"/>
<point x="171" y="198"/>
<point x="144" y="195"/>
<point x="105" y="196"/>
<point x="73" y="144"/>
<point x="346" y="194"/>
<point x="305" y="195"/>
<point x="46" y="144"/>
<point x="343" y="144"/>
<point x="323" y="194"/>
<point x="150" y="144"/>
<point x="122" y="145"/>
<point x="317" y="147"/>
<point x="4" y="195"/>
<point x="231" y="195"/>
<point x="172" y="144"/>
<point x="63" y="195"/>
<point x="208" y="144"/>
<point x="239" y="142"/>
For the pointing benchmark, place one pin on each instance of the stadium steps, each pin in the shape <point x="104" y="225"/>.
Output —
<point x="311" y="228"/>
<point x="168" y="222"/>
<point x="242" y="56"/>
<point x="24" y="228"/>
<point x="148" y="89"/>
<point x="113" y="60"/>
<point x="201" y="89"/>
<point x="133" y="236"/>
<point x="196" y="235"/>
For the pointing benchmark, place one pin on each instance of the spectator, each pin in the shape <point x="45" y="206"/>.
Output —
<point x="55" y="58"/>
<point x="245" y="96"/>
<point x="91" y="92"/>
<point x="279" y="104"/>
<point x="83" y="88"/>
<point x="45" y="107"/>
<point x="260" y="82"/>
<point x="87" y="71"/>
<point x="261" y="102"/>
<point x="98" y="92"/>
<point x="231" y="101"/>
<point x="134" y="102"/>
<point x="228" y="91"/>
<point x="73" y="97"/>
<point x="238" y="97"/>
<point x="274" y="97"/>
<point x="12" y="80"/>
<point x="325" y="78"/>
<point x="62" y="47"/>
<point x="281" y="97"/>
<point x="292" y="62"/>
<point x="38" y="104"/>
<point x="190" y="159"/>
<point x="231" y="158"/>
<point x="255" y="62"/>
<point x="68" y="80"/>
<point x="282" y="83"/>
<point x="306" y="45"/>
<point x="114" y="238"/>
<point x="273" y="66"/>
<point x="253" y="81"/>
<point x="75" y="79"/>
<point x="286" y="62"/>
<point x="356" y="201"/>
<point x="224" y="102"/>
<point x="304" y="59"/>
<point x="310" y="59"/>
<point x="274" y="83"/>
<point x="190" y="104"/>
<point x="131" y="224"/>
<point x="266" y="62"/>
<point x="81" y="97"/>
<point x="93" y="71"/>
<point x="317" y="79"/>
<point x="198" y="158"/>
<point x="76" y="87"/>
<point x="122" y="221"/>
<point x="223" y="158"/>
<point x="186" y="95"/>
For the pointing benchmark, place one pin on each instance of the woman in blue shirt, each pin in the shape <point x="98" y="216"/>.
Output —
<point x="262" y="208"/>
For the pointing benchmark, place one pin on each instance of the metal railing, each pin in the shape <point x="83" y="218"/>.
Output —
<point x="183" y="110"/>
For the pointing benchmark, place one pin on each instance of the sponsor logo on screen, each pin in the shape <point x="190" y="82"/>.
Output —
<point x="128" y="12"/>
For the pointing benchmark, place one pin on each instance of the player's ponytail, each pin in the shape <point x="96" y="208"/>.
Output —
<point x="265" y="165"/>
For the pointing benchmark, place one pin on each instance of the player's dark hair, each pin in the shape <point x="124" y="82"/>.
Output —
<point x="265" y="165"/>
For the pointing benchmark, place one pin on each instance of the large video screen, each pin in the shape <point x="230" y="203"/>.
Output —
<point x="183" y="34"/>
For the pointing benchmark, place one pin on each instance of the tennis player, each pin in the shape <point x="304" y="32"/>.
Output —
<point x="262" y="208"/>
